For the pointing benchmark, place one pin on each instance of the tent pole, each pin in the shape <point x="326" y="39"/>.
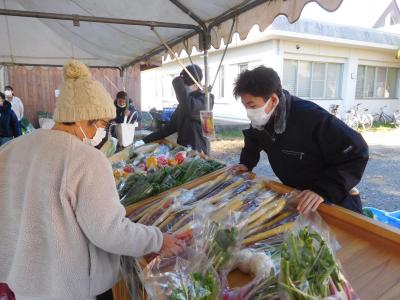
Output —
<point x="206" y="46"/>
<point x="206" y="79"/>
<point x="224" y="53"/>
<point x="177" y="58"/>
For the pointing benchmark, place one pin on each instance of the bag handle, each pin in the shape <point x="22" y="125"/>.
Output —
<point x="131" y="117"/>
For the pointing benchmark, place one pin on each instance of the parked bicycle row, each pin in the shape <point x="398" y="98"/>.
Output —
<point x="355" y="118"/>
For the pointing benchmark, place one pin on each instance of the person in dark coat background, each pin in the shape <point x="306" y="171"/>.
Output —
<point x="125" y="107"/>
<point x="186" y="118"/>
<point x="9" y="125"/>
<point x="308" y="148"/>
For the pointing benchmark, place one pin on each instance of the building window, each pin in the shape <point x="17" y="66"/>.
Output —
<point x="312" y="80"/>
<point x="376" y="82"/>
<point x="243" y="67"/>
<point x="222" y="82"/>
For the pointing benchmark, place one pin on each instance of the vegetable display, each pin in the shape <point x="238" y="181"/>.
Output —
<point x="309" y="269"/>
<point x="237" y="223"/>
<point x="157" y="168"/>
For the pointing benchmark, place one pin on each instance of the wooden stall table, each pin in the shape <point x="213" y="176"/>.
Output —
<point x="369" y="253"/>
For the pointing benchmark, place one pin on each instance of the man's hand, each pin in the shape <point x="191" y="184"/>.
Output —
<point x="127" y="113"/>
<point x="307" y="201"/>
<point x="171" y="246"/>
<point x="239" y="168"/>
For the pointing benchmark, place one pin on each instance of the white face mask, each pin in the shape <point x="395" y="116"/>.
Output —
<point x="258" y="117"/>
<point x="96" y="139"/>
<point x="8" y="93"/>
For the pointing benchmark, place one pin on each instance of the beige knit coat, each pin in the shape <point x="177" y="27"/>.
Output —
<point x="62" y="227"/>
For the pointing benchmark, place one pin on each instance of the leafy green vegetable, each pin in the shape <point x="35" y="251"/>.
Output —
<point x="199" y="287"/>
<point x="223" y="242"/>
<point x="308" y="267"/>
<point x="138" y="186"/>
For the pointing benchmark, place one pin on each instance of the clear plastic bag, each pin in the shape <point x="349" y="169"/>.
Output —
<point x="189" y="276"/>
<point x="221" y="240"/>
<point x="308" y="268"/>
<point x="207" y="123"/>
<point x="132" y="276"/>
<point x="162" y="149"/>
<point x="110" y="146"/>
<point x="258" y="265"/>
<point x="265" y="221"/>
<point x="159" y="212"/>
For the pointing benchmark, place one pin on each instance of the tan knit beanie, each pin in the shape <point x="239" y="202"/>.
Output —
<point x="82" y="98"/>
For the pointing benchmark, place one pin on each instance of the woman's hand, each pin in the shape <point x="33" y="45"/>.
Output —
<point x="239" y="168"/>
<point x="171" y="246"/>
<point x="127" y="113"/>
<point x="307" y="201"/>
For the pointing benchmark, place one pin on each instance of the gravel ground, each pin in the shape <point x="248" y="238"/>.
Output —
<point x="380" y="185"/>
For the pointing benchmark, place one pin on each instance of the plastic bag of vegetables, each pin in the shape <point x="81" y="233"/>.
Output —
<point x="132" y="274"/>
<point x="110" y="146"/>
<point x="189" y="276"/>
<point x="255" y="263"/>
<point x="221" y="240"/>
<point x="309" y="268"/>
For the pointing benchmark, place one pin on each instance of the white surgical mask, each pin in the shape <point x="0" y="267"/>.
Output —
<point x="8" y="93"/>
<point x="96" y="139"/>
<point x="258" y="117"/>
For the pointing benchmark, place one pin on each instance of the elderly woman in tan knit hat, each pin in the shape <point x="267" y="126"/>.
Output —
<point x="62" y="227"/>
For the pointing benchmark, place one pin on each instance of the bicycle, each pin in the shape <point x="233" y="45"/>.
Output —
<point x="334" y="110"/>
<point x="351" y="119"/>
<point x="354" y="119"/>
<point x="396" y="117"/>
<point x="383" y="117"/>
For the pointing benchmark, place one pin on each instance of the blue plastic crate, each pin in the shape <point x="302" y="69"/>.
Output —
<point x="391" y="218"/>
<point x="167" y="113"/>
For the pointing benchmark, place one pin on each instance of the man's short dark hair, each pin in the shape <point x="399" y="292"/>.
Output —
<point x="260" y="82"/>
<point x="9" y="87"/>
<point x="2" y="96"/>
<point x="122" y="95"/>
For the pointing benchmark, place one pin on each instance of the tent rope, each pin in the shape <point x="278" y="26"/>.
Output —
<point x="176" y="57"/>
<point x="223" y="55"/>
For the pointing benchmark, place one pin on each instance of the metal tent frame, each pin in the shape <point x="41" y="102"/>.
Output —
<point x="202" y="29"/>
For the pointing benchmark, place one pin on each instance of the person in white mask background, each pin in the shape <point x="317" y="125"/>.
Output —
<point x="16" y="103"/>
<point x="60" y="213"/>
<point x="307" y="147"/>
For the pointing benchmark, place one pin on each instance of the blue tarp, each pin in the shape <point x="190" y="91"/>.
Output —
<point x="391" y="218"/>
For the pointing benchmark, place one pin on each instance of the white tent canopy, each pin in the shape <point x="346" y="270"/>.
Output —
<point x="52" y="39"/>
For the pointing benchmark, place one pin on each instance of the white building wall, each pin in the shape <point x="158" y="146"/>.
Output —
<point x="351" y="58"/>
<point x="272" y="53"/>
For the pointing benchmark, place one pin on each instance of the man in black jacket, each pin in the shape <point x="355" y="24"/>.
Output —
<point x="307" y="147"/>
<point x="186" y="118"/>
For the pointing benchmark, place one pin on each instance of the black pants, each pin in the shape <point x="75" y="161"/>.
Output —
<point x="352" y="202"/>
<point x="108" y="295"/>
